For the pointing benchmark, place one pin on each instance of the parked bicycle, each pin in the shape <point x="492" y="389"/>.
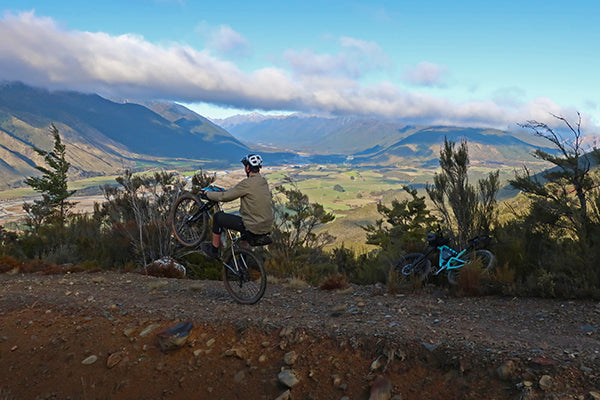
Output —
<point x="449" y="259"/>
<point x="244" y="273"/>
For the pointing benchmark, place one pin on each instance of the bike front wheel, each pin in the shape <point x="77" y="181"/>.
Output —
<point x="244" y="276"/>
<point x="415" y="264"/>
<point x="189" y="227"/>
<point x="485" y="257"/>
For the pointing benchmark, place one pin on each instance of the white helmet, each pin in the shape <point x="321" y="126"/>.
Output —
<point x="253" y="160"/>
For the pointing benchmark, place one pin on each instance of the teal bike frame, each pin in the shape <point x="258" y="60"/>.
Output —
<point x="449" y="260"/>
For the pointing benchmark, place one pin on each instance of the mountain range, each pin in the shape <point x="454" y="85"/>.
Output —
<point x="367" y="141"/>
<point x="105" y="136"/>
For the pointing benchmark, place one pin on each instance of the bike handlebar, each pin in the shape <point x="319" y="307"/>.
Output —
<point x="210" y="188"/>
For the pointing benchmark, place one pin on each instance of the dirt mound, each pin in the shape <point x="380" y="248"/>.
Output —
<point x="92" y="336"/>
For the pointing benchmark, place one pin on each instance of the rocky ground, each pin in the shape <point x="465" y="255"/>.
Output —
<point x="96" y="336"/>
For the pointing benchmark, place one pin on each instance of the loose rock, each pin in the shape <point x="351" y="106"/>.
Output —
<point x="114" y="359"/>
<point x="545" y="383"/>
<point x="290" y="357"/>
<point x="506" y="370"/>
<point x="284" y="396"/>
<point x="90" y="360"/>
<point x="288" y="378"/>
<point x="381" y="389"/>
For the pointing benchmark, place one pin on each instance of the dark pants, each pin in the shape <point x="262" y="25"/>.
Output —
<point x="223" y="220"/>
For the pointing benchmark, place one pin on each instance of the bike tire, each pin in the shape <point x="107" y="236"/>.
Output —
<point x="188" y="233"/>
<point x="247" y="286"/>
<point x="407" y="267"/>
<point x="486" y="257"/>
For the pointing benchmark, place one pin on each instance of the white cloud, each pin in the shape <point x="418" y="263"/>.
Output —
<point x="355" y="59"/>
<point x="426" y="74"/>
<point x="367" y="48"/>
<point x="37" y="51"/>
<point x="227" y="41"/>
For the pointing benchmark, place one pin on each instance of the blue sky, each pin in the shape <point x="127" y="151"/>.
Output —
<point x="472" y="63"/>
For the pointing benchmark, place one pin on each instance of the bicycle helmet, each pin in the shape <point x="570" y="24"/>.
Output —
<point x="253" y="160"/>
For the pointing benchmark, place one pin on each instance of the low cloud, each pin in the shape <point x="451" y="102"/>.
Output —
<point x="37" y="51"/>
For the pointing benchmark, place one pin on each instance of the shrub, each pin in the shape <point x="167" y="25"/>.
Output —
<point x="8" y="242"/>
<point x="198" y="267"/>
<point x="9" y="263"/>
<point x="335" y="281"/>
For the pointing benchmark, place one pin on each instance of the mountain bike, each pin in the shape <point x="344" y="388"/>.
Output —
<point x="449" y="260"/>
<point x="244" y="273"/>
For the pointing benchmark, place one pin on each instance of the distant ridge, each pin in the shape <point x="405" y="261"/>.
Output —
<point x="241" y="119"/>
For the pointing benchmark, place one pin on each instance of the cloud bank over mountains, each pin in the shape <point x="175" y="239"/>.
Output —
<point x="39" y="51"/>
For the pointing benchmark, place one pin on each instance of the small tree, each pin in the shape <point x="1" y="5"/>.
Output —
<point x="562" y="192"/>
<point x="465" y="209"/>
<point x="296" y="247"/>
<point x="139" y="209"/>
<point x="54" y="205"/>
<point x="404" y="225"/>
<point x="564" y="214"/>
<point x="297" y="218"/>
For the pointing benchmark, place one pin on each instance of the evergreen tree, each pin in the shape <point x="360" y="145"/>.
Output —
<point x="54" y="206"/>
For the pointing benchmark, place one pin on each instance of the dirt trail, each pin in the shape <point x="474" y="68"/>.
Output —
<point x="94" y="336"/>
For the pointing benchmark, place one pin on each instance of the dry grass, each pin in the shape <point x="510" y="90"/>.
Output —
<point x="335" y="281"/>
<point x="470" y="277"/>
<point x="505" y="274"/>
<point x="393" y="285"/>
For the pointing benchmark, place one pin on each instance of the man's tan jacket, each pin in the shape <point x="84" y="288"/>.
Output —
<point x="256" y="204"/>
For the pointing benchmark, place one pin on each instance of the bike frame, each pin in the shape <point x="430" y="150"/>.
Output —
<point x="449" y="260"/>
<point x="206" y="207"/>
<point x="232" y="247"/>
<point x="453" y="262"/>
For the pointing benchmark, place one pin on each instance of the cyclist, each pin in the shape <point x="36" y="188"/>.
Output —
<point x="256" y="206"/>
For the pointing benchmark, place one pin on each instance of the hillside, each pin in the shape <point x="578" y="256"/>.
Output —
<point x="103" y="136"/>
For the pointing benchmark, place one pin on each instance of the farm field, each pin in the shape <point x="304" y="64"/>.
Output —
<point x="350" y="193"/>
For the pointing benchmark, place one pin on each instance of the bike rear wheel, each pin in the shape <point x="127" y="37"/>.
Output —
<point x="414" y="264"/>
<point x="244" y="276"/>
<point x="189" y="231"/>
<point x="485" y="257"/>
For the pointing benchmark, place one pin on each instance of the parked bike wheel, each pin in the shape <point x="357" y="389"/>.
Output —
<point x="485" y="257"/>
<point x="414" y="264"/>
<point x="248" y="284"/>
<point x="188" y="229"/>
